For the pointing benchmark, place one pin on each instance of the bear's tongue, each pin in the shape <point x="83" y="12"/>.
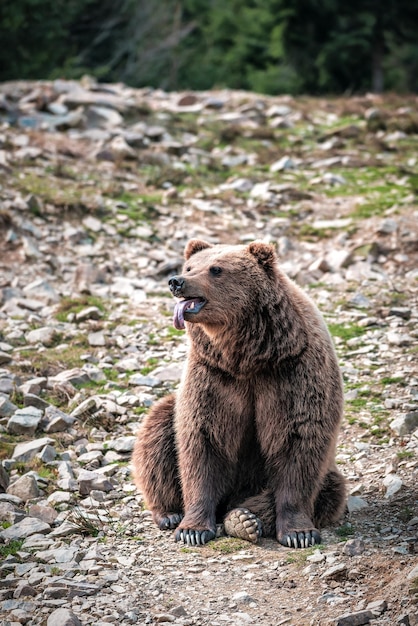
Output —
<point x="180" y="309"/>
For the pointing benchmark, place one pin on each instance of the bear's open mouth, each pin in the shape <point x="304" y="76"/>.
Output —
<point x="189" y="305"/>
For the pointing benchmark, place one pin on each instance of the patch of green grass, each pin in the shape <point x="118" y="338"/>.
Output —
<point x="345" y="531"/>
<point x="405" y="454"/>
<point x="152" y="362"/>
<point x="51" y="361"/>
<point x="11" y="548"/>
<point x="140" y="410"/>
<point x="391" y="380"/>
<point x="228" y="545"/>
<point x="173" y="333"/>
<point x="58" y="191"/>
<point x="299" y="557"/>
<point x="75" y="305"/>
<point x="345" y="331"/>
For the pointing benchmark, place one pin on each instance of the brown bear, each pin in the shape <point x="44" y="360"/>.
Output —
<point x="249" y="438"/>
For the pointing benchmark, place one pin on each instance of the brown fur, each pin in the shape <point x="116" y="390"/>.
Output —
<point x="255" y="420"/>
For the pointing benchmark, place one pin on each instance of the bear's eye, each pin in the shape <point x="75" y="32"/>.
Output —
<point x="188" y="269"/>
<point x="215" y="270"/>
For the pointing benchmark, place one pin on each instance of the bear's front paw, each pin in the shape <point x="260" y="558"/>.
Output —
<point x="300" y="539"/>
<point x="168" y="521"/>
<point x="243" y="524"/>
<point x="194" y="537"/>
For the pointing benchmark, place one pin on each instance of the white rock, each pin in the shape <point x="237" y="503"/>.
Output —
<point x="393" y="484"/>
<point x="354" y="503"/>
<point x="27" y="451"/>
<point x="28" y="526"/>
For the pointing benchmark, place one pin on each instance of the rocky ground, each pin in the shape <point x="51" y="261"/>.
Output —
<point x="100" y="189"/>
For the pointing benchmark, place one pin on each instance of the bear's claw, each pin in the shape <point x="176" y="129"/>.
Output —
<point x="302" y="539"/>
<point x="194" y="537"/>
<point x="243" y="524"/>
<point x="169" y="521"/>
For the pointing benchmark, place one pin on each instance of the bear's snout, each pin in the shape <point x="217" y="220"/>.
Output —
<point x="176" y="284"/>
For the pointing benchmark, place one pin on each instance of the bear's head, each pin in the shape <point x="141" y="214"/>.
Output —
<point x="219" y="284"/>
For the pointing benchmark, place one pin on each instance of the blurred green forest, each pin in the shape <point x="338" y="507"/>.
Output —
<point x="268" y="46"/>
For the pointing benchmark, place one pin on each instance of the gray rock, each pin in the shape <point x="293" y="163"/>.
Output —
<point x="355" y="619"/>
<point x="401" y="311"/>
<point x="121" y="444"/>
<point x="354" y="547"/>
<point x="97" y="339"/>
<point x="144" y="381"/>
<point x="46" y="514"/>
<point x="46" y="336"/>
<point x="63" y="617"/>
<point x="24" y="421"/>
<point x="25" y="528"/>
<point x="5" y="357"/>
<point x="27" y="451"/>
<point x="355" y="503"/>
<point x="393" y="484"/>
<point x="75" y="376"/>
<point x="4" y="478"/>
<point x="89" y="313"/>
<point x="47" y="454"/>
<point x="336" y="572"/>
<point x="30" y="399"/>
<point x="87" y="481"/>
<point x="7" y="408"/>
<point x="26" y="488"/>
<point x="405" y="424"/>
<point x="34" y="385"/>
<point x="57" y="420"/>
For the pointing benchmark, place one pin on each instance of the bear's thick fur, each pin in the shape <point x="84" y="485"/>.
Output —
<point x="249" y="438"/>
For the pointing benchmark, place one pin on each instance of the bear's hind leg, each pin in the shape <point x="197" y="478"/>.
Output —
<point x="252" y="519"/>
<point x="155" y="466"/>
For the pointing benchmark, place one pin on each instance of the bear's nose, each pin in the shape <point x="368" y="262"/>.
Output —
<point x="176" y="284"/>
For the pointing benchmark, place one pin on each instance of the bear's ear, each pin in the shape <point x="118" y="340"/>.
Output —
<point x="195" y="245"/>
<point x="264" y="253"/>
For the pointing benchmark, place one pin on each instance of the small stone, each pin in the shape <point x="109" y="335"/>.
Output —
<point x="89" y="313"/>
<point x="336" y="572"/>
<point x="45" y="513"/>
<point x="27" y="451"/>
<point x="242" y="596"/>
<point x="377" y="607"/>
<point x="24" y="421"/>
<point x="393" y="484"/>
<point x="145" y="381"/>
<point x="26" y="488"/>
<point x="354" y="619"/>
<point x="97" y="339"/>
<point x="47" y="454"/>
<point x="46" y="336"/>
<point x="88" y="480"/>
<point x="401" y="311"/>
<point x="355" y="503"/>
<point x="122" y="444"/>
<point x="25" y="528"/>
<point x="316" y="557"/>
<point x="63" y="617"/>
<point x="354" y="547"/>
<point x="4" y="479"/>
<point x="5" y="358"/>
<point x="7" y="408"/>
<point x="405" y="424"/>
<point x="387" y="227"/>
<point x="285" y="163"/>
<point x="57" y="420"/>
